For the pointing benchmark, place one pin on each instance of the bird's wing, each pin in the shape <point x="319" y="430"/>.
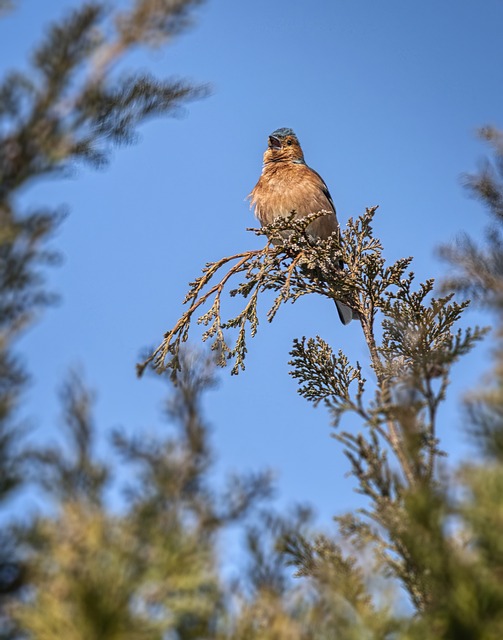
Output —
<point x="325" y="190"/>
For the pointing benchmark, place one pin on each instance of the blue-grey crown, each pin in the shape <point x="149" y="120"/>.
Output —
<point x="283" y="132"/>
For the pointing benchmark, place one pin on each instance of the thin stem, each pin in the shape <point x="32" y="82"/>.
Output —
<point x="393" y="435"/>
<point x="163" y="349"/>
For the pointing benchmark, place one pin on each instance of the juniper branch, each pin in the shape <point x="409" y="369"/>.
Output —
<point x="298" y="266"/>
<point x="411" y="340"/>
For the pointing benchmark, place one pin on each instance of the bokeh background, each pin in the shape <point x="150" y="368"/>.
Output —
<point x="385" y="97"/>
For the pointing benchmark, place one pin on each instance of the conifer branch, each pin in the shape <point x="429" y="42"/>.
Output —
<point x="293" y="268"/>
<point x="412" y="344"/>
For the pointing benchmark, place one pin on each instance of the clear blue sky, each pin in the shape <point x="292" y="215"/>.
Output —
<point x="385" y="98"/>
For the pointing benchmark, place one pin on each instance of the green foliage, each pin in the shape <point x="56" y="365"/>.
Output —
<point x="80" y="478"/>
<point x="94" y="574"/>
<point x="290" y="266"/>
<point x="151" y="567"/>
<point x="479" y="269"/>
<point x="280" y="268"/>
<point x="474" y="610"/>
<point x="69" y="107"/>
<point x="411" y="356"/>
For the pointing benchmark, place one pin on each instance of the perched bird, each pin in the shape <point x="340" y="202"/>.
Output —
<point x="287" y="184"/>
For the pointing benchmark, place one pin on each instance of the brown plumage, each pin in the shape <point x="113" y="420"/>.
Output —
<point x="287" y="184"/>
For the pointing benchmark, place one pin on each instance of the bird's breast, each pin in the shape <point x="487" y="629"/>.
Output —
<point x="278" y="192"/>
<point x="286" y="187"/>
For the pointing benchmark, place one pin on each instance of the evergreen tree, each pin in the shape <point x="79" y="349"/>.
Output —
<point x="70" y="107"/>
<point x="437" y="535"/>
<point x="412" y="343"/>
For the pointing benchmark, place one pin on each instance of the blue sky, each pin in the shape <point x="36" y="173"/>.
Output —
<point x="385" y="98"/>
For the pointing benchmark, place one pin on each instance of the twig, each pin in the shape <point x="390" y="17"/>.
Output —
<point x="393" y="436"/>
<point x="160" y="354"/>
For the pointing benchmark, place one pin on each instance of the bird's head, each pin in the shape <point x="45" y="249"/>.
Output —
<point x="283" y="146"/>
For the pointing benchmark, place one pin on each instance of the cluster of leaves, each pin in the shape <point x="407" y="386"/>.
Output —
<point x="291" y="264"/>
<point x="69" y="107"/>
<point x="152" y="567"/>
<point x="438" y="534"/>
<point x="394" y="456"/>
<point x="281" y="266"/>
<point x="412" y="346"/>
<point x="479" y="269"/>
<point x="460" y="522"/>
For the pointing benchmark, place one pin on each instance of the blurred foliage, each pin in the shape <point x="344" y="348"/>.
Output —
<point x="478" y="269"/>
<point x="150" y="564"/>
<point x="149" y="569"/>
<point x="71" y="106"/>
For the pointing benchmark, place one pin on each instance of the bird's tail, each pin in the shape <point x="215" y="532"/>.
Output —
<point x="346" y="314"/>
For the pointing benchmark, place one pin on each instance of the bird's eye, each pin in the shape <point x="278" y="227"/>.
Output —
<point x="289" y="142"/>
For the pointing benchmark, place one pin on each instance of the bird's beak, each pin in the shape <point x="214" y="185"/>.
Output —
<point x="274" y="142"/>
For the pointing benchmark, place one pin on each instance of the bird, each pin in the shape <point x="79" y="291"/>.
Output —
<point x="287" y="184"/>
